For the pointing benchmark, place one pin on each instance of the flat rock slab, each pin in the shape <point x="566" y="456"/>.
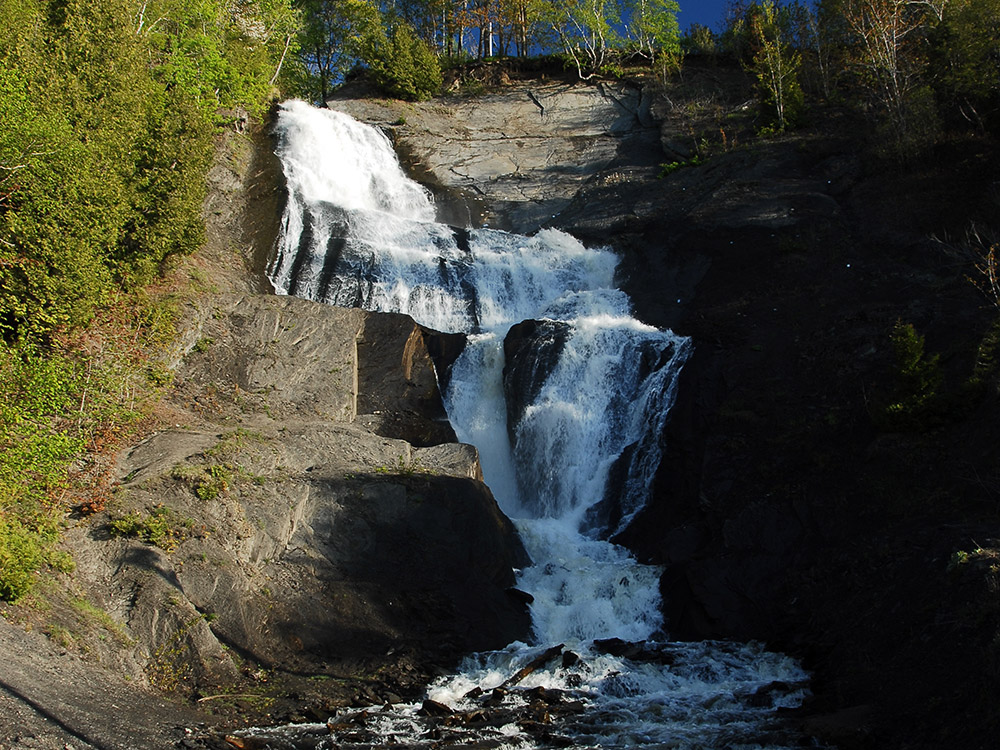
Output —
<point x="52" y="701"/>
<point x="526" y="152"/>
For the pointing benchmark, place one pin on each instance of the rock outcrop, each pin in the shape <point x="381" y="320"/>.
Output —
<point x="294" y="528"/>
<point x="516" y="159"/>
<point x="531" y="349"/>
<point x="786" y="508"/>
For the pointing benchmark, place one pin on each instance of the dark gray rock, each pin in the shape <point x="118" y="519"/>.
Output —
<point x="531" y="349"/>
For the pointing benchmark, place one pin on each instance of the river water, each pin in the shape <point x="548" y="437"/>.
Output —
<point x="358" y="232"/>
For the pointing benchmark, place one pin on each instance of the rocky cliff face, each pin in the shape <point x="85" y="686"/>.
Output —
<point x="319" y="514"/>
<point x="786" y="508"/>
<point x="295" y="529"/>
<point x="516" y="159"/>
<point x="299" y="529"/>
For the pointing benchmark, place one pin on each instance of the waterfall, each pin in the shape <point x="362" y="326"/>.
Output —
<point x="583" y="384"/>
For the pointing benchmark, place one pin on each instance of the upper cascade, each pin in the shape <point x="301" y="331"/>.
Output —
<point x="375" y="246"/>
<point x="362" y="174"/>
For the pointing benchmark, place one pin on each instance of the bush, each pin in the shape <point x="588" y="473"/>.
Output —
<point x="22" y="552"/>
<point x="917" y="379"/>
<point x="404" y="65"/>
<point x="160" y="527"/>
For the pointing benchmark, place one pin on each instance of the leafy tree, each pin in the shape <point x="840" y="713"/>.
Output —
<point x="888" y="53"/>
<point x="699" y="40"/>
<point x="221" y="54"/>
<point x="965" y="70"/>
<point x="587" y="31"/>
<point x="653" y="23"/>
<point x="333" y="38"/>
<point x="402" y="63"/>
<point x="817" y="31"/>
<point x="108" y="113"/>
<point x="775" y="63"/>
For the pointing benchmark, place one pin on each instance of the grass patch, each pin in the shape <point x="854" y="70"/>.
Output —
<point x="91" y="613"/>
<point x="160" y="527"/>
<point x="403" y="467"/>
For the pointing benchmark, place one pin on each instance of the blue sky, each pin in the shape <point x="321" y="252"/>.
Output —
<point x="707" y="12"/>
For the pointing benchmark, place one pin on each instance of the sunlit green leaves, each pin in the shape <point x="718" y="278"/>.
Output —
<point x="403" y="64"/>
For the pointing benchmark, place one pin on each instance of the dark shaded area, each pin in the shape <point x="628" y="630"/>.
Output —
<point x="409" y="561"/>
<point x="409" y="408"/>
<point x="788" y="507"/>
<point x="445" y="349"/>
<point x="531" y="349"/>
<point x="266" y="196"/>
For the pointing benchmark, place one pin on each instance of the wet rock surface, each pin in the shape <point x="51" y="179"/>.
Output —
<point x="517" y="713"/>
<point x="531" y="349"/>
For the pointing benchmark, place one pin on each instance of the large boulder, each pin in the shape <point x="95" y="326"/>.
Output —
<point x="281" y="519"/>
<point x="530" y="349"/>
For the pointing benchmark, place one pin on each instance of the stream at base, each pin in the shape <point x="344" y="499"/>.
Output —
<point x="587" y="392"/>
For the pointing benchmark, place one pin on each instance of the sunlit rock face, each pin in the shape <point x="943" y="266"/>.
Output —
<point x="324" y="511"/>
<point x="524" y="154"/>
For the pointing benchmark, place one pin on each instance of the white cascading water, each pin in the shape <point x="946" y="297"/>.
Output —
<point x="358" y="232"/>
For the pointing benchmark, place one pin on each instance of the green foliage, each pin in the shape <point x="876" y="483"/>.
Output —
<point x="671" y="167"/>
<point x="36" y="447"/>
<point x="775" y="65"/>
<point x="160" y="527"/>
<point x="653" y="25"/>
<point x="202" y="344"/>
<point x="587" y="31"/>
<point x="403" y="467"/>
<point x="965" y="50"/>
<point x="699" y="40"/>
<point x="332" y="40"/>
<point x="985" y="378"/>
<point x="207" y="482"/>
<point x="106" y="134"/>
<point x="917" y="378"/>
<point x="219" y="54"/>
<point x="22" y="552"/>
<point x="403" y="64"/>
<point x="108" y="114"/>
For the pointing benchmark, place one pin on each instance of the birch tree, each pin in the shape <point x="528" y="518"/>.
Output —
<point x="587" y="30"/>
<point x="888" y="55"/>
<point x="775" y="63"/>
<point x="653" y="24"/>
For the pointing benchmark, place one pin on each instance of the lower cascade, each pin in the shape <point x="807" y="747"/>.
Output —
<point x="579" y="388"/>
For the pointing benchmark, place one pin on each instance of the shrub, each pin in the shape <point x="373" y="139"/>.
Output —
<point x="403" y="64"/>
<point x="21" y="554"/>
<point x="917" y="378"/>
<point x="160" y="527"/>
